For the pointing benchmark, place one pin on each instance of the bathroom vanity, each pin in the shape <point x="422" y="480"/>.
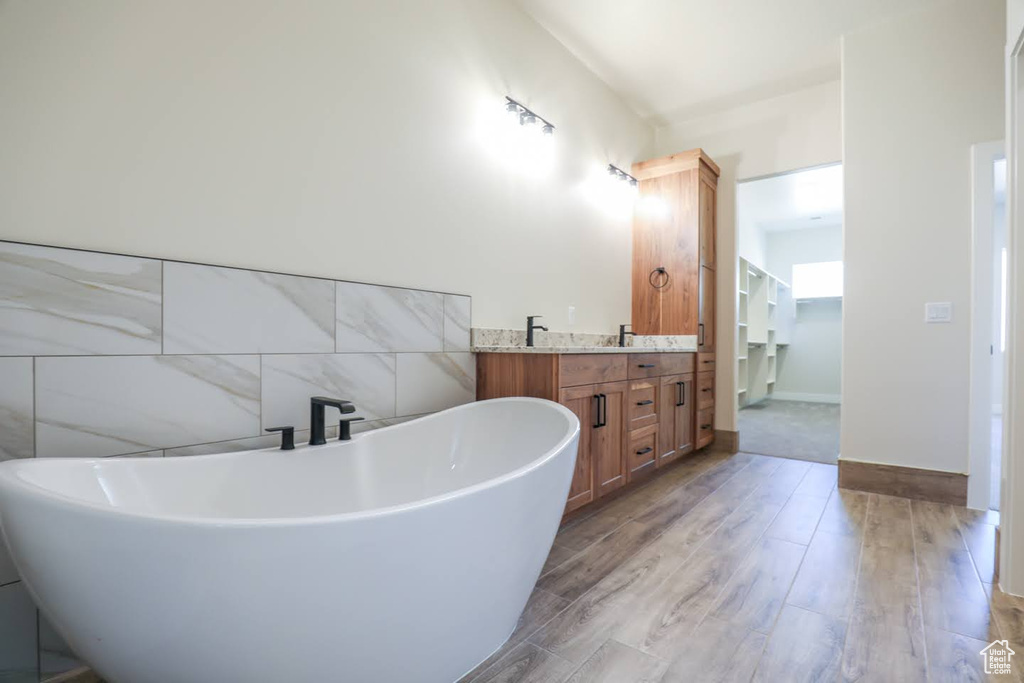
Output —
<point x="639" y="410"/>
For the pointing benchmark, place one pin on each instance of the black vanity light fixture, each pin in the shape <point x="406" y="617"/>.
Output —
<point x="618" y="173"/>
<point x="527" y="117"/>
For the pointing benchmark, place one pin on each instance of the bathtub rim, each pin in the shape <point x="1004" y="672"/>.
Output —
<point x="9" y="479"/>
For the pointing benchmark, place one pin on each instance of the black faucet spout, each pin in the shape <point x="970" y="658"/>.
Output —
<point x="530" y="327"/>
<point x="317" y="426"/>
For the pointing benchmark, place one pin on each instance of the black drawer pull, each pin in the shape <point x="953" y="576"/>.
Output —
<point x="681" y="394"/>
<point x="644" y="451"/>
<point x="707" y="362"/>
<point x="706" y="389"/>
<point x="644" y="403"/>
<point x="648" y="365"/>
<point x="705" y="426"/>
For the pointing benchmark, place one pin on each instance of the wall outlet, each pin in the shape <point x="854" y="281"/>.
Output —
<point x="572" y="315"/>
<point x="939" y="312"/>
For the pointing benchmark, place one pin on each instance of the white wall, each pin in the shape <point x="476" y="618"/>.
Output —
<point x="780" y="134"/>
<point x="339" y="139"/>
<point x="812" y="364"/>
<point x="917" y="92"/>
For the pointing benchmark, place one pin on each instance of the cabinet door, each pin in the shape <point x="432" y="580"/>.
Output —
<point x="683" y="416"/>
<point x="675" y="427"/>
<point x="706" y="329"/>
<point x="608" y="441"/>
<point x="649" y="228"/>
<point x="708" y="215"/>
<point x="680" y="253"/>
<point x="581" y="401"/>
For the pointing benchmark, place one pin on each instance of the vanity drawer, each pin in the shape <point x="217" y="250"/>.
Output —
<point x="659" y="364"/>
<point x="590" y="368"/>
<point x="642" y="450"/>
<point x="643" y="403"/>
<point x="705" y="390"/>
<point x="705" y="426"/>
<point x="705" y="362"/>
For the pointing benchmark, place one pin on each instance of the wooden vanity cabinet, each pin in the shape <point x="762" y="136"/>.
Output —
<point x="636" y="410"/>
<point x="674" y="249"/>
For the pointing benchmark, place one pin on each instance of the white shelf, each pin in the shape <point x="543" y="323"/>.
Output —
<point x="742" y="391"/>
<point x="765" y="316"/>
<point x="742" y="358"/>
<point x="741" y="324"/>
<point x="744" y="292"/>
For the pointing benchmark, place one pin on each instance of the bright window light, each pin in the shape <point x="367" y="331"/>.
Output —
<point x="818" y="280"/>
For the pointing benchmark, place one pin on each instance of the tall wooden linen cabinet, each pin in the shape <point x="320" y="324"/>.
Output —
<point x="674" y="231"/>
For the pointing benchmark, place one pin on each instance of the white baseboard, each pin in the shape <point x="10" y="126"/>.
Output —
<point x="810" y="398"/>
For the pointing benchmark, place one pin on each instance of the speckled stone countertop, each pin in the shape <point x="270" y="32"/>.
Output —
<point x="489" y="340"/>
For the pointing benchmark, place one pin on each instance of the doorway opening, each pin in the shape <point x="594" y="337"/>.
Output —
<point x="988" y="323"/>
<point x="789" y="331"/>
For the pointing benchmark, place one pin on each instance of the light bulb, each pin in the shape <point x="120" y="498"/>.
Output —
<point x="527" y="119"/>
<point x="548" y="129"/>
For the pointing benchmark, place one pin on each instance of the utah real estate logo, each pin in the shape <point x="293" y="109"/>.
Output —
<point x="997" y="657"/>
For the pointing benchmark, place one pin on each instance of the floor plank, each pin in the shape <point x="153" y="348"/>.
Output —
<point x="953" y="658"/>
<point x="717" y="652"/>
<point x="936" y="525"/>
<point x="583" y="533"/>
<point x="828" y="575"/>
<point x="798" y="519"/>
<point x="952" y="597"/>
<point x="579" y="574"/>
<point x="659" y="621"/>
<point x="755" y="594"/>
<point x="803" y="646"/>
<point x="540" y="608"/>
<point x="845" y="513"/>
<point x="885" y="637"/>
<point x="580" y="630"/>
<point x="527" y="663"/>
<point x="819" y="481"/>
<point x="618" y="663"/>
<point x="558" y="556"/>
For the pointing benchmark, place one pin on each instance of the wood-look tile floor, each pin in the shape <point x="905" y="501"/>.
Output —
<point x="753" y="568"/>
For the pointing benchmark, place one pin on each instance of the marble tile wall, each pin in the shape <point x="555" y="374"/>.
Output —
<point x="105" y="355"/>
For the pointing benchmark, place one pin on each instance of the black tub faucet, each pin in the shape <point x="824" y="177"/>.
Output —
<point x="317" y="435"/>
<point x="530" y="327"/>
<point x="623" y="333"/>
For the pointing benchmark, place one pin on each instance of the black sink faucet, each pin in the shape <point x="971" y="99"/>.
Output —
<point x="530" y="327"/>
<point x="623" y="333"/>
<point x="317" y="435"/>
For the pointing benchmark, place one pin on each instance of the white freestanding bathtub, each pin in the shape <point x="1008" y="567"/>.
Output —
<point x="404" y="555"/>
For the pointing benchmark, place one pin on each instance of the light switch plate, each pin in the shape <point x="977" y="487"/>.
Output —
<point x="938" y="312"/>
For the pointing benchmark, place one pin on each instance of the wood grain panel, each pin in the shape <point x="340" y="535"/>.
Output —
<point x="705" y="390"/>
<point x="642" y="451"/>
<point x="644" y="403"/>
<point x="673" y="163"/>
<point x="680" y="250"/>
<point x="706" y="315"/>
<point x="516" y="374"/>
<point x="648" y="227"/>
<point x="804" y="646"/>
<point x="755" y="594"/>
<point x="608" y="442"/>
<point x="618" y="663"/>
<point x="708" y="197"/>
<point x="908" y="482"/>
<point x="590" y="368"/>
<point x="581" y="401"/>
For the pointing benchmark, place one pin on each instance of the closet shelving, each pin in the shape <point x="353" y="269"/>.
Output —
<point x="765" y="319"/>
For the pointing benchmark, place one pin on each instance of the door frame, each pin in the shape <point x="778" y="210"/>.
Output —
<point x="983" y="156"/>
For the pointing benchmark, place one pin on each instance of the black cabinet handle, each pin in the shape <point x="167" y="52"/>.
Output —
<point x="648" y="365"/>
<point x="644" y="403"/>
<point x="643" y="451"/>
<point x="705" y="426"/>
<point x="602" y="410"/>
<point x="706" y="389"/>
<point x="287" y="437"/>
<point x="680" y="394"/>
<point x="700" y="334"/>
<point x="707" y="362"/>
